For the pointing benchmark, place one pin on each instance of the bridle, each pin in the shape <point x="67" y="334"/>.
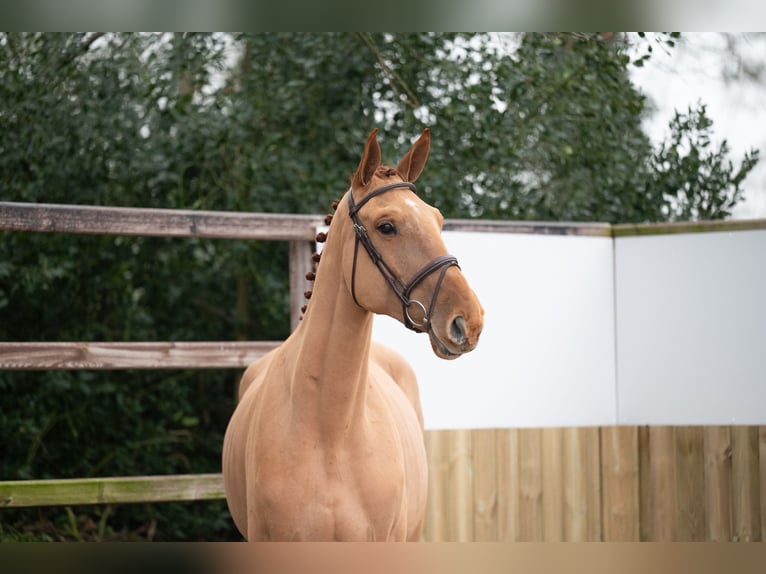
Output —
<point x="399" y="287"/>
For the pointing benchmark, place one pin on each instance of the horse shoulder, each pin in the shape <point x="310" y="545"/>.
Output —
<point x="236" y="439"/>
<point x="401" y="372"/>
<point x="255" y="372"/>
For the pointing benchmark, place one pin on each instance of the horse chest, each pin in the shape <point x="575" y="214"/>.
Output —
<point x="351" y="491"/>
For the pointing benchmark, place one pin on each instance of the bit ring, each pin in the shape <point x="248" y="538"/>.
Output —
<point x="422" y="323"/>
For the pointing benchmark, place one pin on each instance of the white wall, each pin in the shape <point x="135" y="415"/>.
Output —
<point x="546" y="356"/>
<point x="683" y="341"/>
<point x="691" y="338"/>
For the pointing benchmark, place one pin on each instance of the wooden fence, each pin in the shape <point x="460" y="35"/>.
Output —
<point x="299" y="230"/>
<point x="591" y="484"/>
<point x="608" y="483"/>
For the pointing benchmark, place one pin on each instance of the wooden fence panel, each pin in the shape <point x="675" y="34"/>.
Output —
<point x="592" y="484"/>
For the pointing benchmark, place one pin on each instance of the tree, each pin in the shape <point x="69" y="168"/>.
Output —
<point x="117" y="119"/>
<point x="549" y="130"/>
<point x="531" y="127"/>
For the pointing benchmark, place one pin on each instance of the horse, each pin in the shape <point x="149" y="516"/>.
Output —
<point x="326" y="441"/>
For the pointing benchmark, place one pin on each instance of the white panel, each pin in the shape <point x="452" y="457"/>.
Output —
<point x="546" y="356"/>
<point x="691" y="328"/>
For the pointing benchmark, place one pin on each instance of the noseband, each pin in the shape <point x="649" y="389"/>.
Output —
<point x="399" y="287"/>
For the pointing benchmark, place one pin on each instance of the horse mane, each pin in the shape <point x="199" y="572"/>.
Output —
<point x="321" y="237"/>
<point x="380" y="171"/>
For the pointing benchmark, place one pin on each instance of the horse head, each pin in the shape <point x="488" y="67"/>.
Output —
<point x="395" y="261"/>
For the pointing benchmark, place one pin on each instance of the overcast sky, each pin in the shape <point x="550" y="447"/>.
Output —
<point x="693" y="72"/>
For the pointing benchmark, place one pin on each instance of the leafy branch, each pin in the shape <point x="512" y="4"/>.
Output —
<point x="395" y="78"/>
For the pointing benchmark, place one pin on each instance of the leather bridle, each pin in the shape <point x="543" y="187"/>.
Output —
<point x="400" y="288"/>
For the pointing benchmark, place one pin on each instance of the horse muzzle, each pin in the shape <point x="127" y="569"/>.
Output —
<point x="461" y="336"/>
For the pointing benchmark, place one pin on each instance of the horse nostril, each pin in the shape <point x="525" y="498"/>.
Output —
<point x="457" y="330"/>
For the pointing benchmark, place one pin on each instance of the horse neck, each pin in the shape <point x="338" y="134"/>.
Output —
<point x="330" y="373"/>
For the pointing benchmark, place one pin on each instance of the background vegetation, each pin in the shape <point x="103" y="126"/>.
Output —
<point x="543" y="127"/>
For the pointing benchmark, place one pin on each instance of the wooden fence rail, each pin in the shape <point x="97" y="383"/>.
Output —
<point x="88" y="219"/>
<point x="103" y="356"/>
<point x="112" y="490"/>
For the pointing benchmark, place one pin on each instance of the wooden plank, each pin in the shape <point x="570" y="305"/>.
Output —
<point x="762" y="465"/>
<point x="508" y="494"/>
<point x="690" y="482"/>
<point x="574" y="485"/>
<point x="112" y="490"/>
<point x="484" y="485"/>
<point x="594" y="525"/>
<point x="644" y="484"/>
<point x="620" y="484"/>
<point x="662" y="503"/>
<point x="718" y="498"/>
<point x="141" y="355"/>
<point x="436" y="528"/>
<point x="581" y="485"/>
<point x="460" y="486"/>
<point x="530" y="486"/>
<point x="746" y="515"/>
<point x="88" y="219"/>
<point x="553" y="484"/>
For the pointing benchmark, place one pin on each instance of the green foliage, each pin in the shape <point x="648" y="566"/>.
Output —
<point x="544" y="127"/>
<point x="108" y="120"/>
<point x="697" y="182"/>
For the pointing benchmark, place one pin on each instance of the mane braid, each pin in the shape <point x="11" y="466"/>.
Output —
<point x="315" y="257"/>
<point x="387" y="171"/>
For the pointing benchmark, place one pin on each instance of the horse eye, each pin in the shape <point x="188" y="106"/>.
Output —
<point x="387" y="228"/>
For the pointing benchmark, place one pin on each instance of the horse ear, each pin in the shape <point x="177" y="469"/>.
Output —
<point x="370" y="161"/>
<point x="412" y="164"/>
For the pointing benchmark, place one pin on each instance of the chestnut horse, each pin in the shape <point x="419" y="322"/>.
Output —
<point x="326" y="442"/>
